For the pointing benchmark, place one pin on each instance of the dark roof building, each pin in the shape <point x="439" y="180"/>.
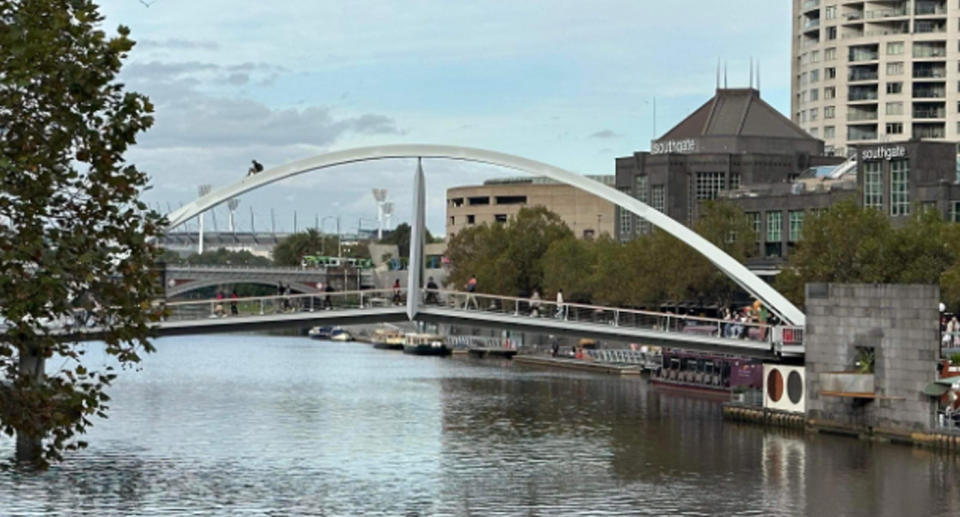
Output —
<point x="734" y="140"/>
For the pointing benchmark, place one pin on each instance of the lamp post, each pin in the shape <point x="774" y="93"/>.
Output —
<point x="339" y="240"/>
<point x="202" y="190"/>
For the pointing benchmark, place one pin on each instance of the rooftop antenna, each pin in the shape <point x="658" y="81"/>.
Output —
<point x="758" y="76"/>
<point x="724" y="74"/>
<point x="718" y="73"/>
<point x="751" y="72"/>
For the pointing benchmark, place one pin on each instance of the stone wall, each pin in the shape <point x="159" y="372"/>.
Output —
<point x="900" y="322"/>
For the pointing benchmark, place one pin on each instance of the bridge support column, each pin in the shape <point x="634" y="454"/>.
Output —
<point x="417" y="232"/>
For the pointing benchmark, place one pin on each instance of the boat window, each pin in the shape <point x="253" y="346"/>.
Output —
<point x="674" y="364"/>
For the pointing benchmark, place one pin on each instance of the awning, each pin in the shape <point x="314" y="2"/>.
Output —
<point x="936" y="389"/>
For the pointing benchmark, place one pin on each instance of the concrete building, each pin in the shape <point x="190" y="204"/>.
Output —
<point x="496" y="201"/>
<point x="734" y="140"/>
<point x="875" y="71"/>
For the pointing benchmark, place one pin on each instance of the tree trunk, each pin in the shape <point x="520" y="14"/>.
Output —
<point x="30" y="447"/>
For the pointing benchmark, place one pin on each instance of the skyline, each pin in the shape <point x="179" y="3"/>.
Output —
<point x="572" y="86"/>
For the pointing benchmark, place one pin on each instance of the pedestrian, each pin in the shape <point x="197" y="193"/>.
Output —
<point x="218" y="310"/>
<point x="471" y="289"/>
<point x="953" y="328"/>
<point x="535" y="303"/>
<point x="327" y="302"/>
<point x="396" y="292"/>
<point x="234" y="310"/>
<point x="431" y="292"/>
<point x="560" y="307"/>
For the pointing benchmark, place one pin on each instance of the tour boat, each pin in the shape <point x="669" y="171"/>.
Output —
<point x="425" y="344"/>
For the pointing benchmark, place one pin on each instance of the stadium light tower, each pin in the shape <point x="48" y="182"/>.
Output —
<point x="202" y="190"/>
<point x="380" y="194"/>
<point x="387" y="212"/>
<point x="232" y="205"/>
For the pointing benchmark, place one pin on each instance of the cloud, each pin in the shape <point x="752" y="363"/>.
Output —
<point x="178" y="44"/>
<point x="606" y="133"/>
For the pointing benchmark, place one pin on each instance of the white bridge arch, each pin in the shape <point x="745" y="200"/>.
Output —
<point x="730" y="266"/>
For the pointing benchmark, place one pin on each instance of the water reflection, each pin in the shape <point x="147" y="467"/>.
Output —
<point x="250" y="424"/>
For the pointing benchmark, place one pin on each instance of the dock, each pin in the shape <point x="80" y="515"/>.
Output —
<point x="579" y="364"/>
<point x="498" y="352"/>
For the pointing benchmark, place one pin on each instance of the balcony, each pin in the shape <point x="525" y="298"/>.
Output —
<point x="856" y="74"/>
<point x="922" y="71"/>
<point x="936" y="8"/>
<point x="862" y="93"/>
<point x="810" y="4"/>
<point x="929" y="26"/>
<point x="856" y="116"/>
<point x="885" y="13"/>
<point x="923" y="91"/>
<point x="811" y="24"/>
<point x="929" y="131"/>
<point x="921" y="51"/>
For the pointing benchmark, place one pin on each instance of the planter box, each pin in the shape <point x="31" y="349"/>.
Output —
<point x="847" y="382"/>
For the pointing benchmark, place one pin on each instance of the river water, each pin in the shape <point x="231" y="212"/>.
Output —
<point x="264" y="425"/>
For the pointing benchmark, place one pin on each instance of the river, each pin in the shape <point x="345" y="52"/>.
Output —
<point x="267" y="425"/>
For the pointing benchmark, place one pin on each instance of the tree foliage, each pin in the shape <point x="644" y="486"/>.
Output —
<point x="400" y="237"/>
<point x="851" y="244"/>
<point x="291" y="250"/>
<point x="74" y="238"/>
<point x="535" y="250"/>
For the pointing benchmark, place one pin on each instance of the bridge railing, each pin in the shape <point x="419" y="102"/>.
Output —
<point x="278" y="304"/>
<point x="618" y="317"/>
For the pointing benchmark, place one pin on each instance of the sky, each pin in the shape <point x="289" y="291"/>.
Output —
<point x="569" y="83"/>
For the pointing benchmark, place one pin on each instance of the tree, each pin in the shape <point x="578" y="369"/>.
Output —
<point x="506" y="258"/>
<point x="74" y="238"/>
<point x="400" y="237"/>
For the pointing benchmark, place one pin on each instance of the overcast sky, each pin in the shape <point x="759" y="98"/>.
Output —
<point x="569" y="83"/>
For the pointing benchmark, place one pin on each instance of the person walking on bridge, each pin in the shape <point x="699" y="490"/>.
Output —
<point x="471" y="289"/>
<point x="561" y="312"/>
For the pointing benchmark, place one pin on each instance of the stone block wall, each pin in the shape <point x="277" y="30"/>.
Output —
<point x="901" y="323"/>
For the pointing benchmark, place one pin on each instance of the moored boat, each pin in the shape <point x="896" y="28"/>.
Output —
<point x="425" y="344"/>
<point x="388" y="339"/>
<point x="718" y="373"/>
<point x="330" y="334"/>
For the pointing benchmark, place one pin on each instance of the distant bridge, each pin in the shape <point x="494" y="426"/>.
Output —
<point x="181" y="279"/>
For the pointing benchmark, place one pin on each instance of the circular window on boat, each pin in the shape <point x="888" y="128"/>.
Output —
<point x="775" y="385"/>
<point x="794" y="387"/>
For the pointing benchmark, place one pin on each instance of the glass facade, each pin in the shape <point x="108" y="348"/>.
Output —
<point x="900" y="187"/>
<point x="872" y="185"/>
<point x="641" y="190"/>
<point x="657" y="197"/>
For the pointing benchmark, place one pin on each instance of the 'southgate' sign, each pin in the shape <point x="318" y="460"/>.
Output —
<point x="883" y="152"/>
<point x="688" y="145"/>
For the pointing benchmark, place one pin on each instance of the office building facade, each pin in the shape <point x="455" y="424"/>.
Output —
<point x="869" y="72"/>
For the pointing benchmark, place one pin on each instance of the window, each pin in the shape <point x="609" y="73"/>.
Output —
<point x="955" y="211"/>
<point x="830" y="92"/>
<point x="457" y="201"/>
<point x="815" y="56"/>
<point x="831" y="33"/>
<point x="774" y="226"/>
<point x="453" y="220"/>
<point x="872" y="185"/>
<point x="900" y="187"/>
<point x="829" y="73"/>
<point x="754" y="218"/>
<point x="641" y="192"/>
<point x="471" y="219"/>
<point x="814" y="132"/>
<point x="813" y="114"/>
<point x="894" y="108"/>
<point x="814" y="76"/>
<point x="895" y="87"/>
<point x="500" y="218"/>
<point x="895" y="68"/>
<point x="894" y="128"/>
<point x="829" y="132"/>
<point x="657" y="197"/>
<point x="796" y="225"/>
<point x="829" y="112"/>
<point x="511" y="200"/>
<point x="830" y="54"/>
<point x="734" y="180"/>
<point x="830" y="12"/>
<point x="814" y="94"/>
<point x="803" y="78"/>
<point x="484" y="200"/>
<point x="894" y="48"/>
<point x="624" y="217"/>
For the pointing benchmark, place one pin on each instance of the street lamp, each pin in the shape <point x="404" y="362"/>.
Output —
<point x="202" y="190"/>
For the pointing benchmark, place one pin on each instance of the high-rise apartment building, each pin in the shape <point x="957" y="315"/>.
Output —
<point x="876" y="71"/>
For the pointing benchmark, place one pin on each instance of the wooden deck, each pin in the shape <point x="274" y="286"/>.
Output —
<point x="578" y="364"/>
